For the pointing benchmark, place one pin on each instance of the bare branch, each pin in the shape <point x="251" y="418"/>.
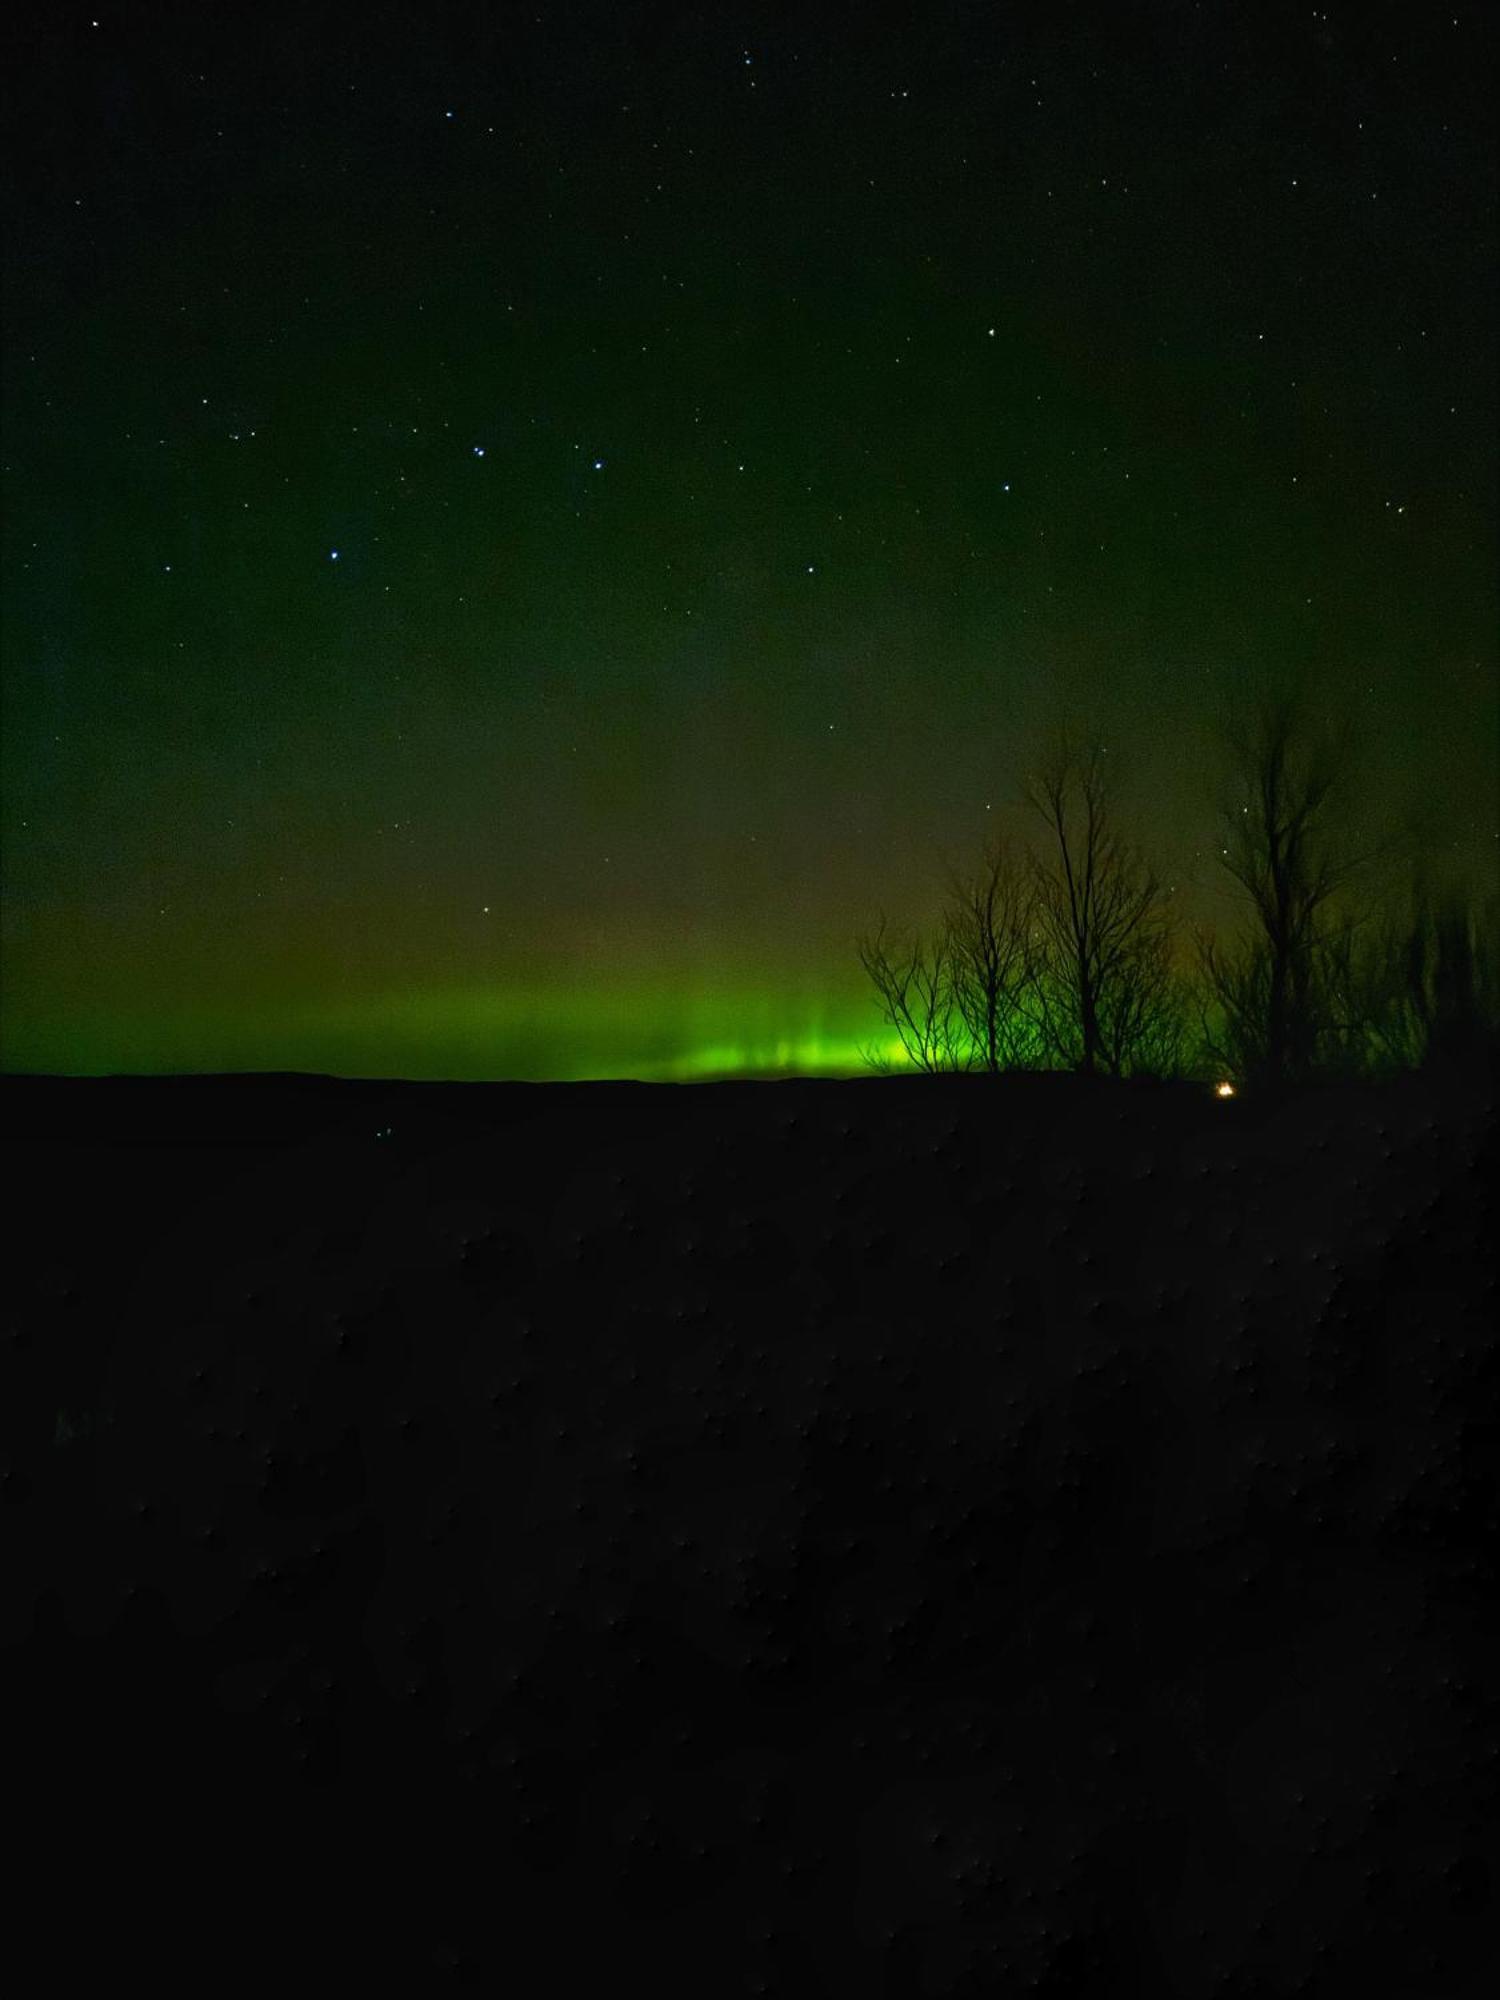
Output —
<point x="1103" y="922"/>
<point x="1284" y="996"/>
<point x="913" y="987"/>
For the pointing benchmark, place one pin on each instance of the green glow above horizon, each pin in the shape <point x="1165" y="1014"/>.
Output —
<point x="510" y="585"/>
<point x="543" y="1034"/>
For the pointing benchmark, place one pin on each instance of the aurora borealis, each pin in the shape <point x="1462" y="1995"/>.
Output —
<point x="523" y="527"/>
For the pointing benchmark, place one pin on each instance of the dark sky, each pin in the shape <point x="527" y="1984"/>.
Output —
<point x="522" y="526"/>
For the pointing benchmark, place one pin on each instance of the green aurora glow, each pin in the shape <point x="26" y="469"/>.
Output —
<point x="545" y="1034"/>
<point x="524" y="530"/>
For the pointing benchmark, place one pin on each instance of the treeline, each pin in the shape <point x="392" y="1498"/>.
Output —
<point x="1062" y="948"/>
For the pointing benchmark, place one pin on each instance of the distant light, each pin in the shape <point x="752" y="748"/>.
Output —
<point x="333" y="555"/>
<point x="598" y="465"/>
<point x="1224" y="1090"/>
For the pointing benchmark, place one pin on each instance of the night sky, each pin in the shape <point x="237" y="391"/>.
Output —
<point x="525" y="526"/>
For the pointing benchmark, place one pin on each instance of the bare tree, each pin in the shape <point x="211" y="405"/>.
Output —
<point x="1102" y="921"/>
<point x="1143" y="1025"/>
<point x="1434" y="990"/>
<point x="992" y="958"/>
<point x="914" y="985"/>
<point x="1282" y="993"/>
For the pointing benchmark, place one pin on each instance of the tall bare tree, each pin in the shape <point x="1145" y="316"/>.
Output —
<point x="1280" y="991"/>
<point x="1103" y="921"/>
<point x="992" y="957"/>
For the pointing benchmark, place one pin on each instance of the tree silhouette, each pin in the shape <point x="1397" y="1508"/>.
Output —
<point x="913" y="984"/>
<point x="1285" y="993"/>
<point x="989" y="931"/>
<point x="1435" y="986"/>
<point x="1104" y="989"/>
<point x="1062" y="952"/>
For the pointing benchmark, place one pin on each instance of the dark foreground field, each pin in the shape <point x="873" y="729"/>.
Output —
<point x="896" y="1537"/>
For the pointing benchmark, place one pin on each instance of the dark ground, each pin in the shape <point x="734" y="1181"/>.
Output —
<point x="895" y="1537"/>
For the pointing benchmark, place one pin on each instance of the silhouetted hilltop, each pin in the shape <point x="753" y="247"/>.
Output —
<point x="873" y="1505"/>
